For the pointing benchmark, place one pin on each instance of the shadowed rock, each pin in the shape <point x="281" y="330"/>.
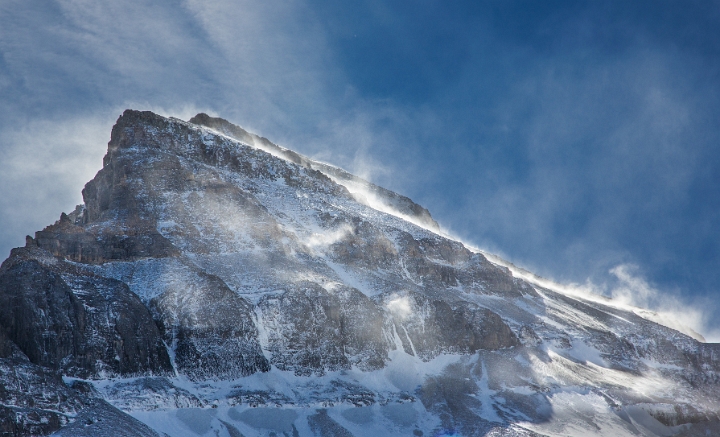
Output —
<point x="312" y="330"/>
<point x="81" y="324"/>
<point x="33" y="399"/>
<point x="428" y="327"/>
<point x="212" y="328"/>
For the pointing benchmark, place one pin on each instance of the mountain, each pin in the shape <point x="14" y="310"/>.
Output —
<point x="216" y="284"/>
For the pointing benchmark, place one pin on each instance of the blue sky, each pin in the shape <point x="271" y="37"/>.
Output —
<point x="569" y="137"/>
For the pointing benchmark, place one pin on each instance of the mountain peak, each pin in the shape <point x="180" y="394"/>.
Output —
<point x="214" y="283"/>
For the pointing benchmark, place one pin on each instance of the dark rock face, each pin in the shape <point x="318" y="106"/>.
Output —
<point x="428" y="327"/>
<point x="439" y="263"/>
<point x="75" y="243"/>
<point x="312" y="330"/>
<point x="363" y="246"/>
<point x="80" y="324"/>
<point x="8" y="348"/>
<point x="212" y="328"/>
<point x="709" y="356"/>
<point x="34" y="399"/>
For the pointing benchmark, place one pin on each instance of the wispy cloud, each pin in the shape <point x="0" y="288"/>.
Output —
<point x="663" y="307"/>
<point x="606" y="152"/>
<point x="567" y="156"/>
<point x="263" y="65"/>
<point x="628" y="289"/>
<point x="45" y="165"/>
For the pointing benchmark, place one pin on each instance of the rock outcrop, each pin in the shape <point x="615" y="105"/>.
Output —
<point x="69" y="320"/>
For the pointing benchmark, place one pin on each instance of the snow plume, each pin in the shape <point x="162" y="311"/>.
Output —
<point x="367" y="197"/>
<point x="327" y="238"/>
<point x="663" y="308"/>
<point x="633" y="289"/>
<point x="399" y="307"/>
<point x="630" y="292"/>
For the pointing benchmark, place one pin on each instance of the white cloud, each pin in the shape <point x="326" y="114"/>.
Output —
<point x="43" y="168"/>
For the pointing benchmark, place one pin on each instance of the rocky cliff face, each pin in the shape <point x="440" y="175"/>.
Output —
<point x="218" y="275"/>
<point x="81" y="324"/>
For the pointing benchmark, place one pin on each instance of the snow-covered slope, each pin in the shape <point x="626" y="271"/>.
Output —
<point x="215" y="284"/>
